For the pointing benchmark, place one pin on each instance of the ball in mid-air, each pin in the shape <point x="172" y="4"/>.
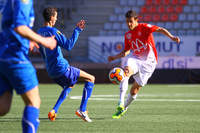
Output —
<point x="116" y="75"/>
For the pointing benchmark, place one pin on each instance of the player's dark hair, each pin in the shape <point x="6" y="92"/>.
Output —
<point x="130" y="14"/>
<point x="48" y="13"/>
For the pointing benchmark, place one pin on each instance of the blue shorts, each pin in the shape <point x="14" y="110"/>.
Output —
<point x="21" y="77"/>
<point x="69" y="78"/>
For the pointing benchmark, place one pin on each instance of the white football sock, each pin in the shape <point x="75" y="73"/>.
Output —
<point x="130" y="99"/>
<point x="123" y="89"/>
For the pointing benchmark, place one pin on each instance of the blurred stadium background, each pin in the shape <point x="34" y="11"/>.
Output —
<point x="105" y="29"/>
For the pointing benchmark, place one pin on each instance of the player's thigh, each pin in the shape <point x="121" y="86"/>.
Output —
<point x="22" y="77"/>
<point x="145" y="71"/>
<point x="86" y="76"/>
<point x="131" y="64"/>
<point x="32" y="97"/>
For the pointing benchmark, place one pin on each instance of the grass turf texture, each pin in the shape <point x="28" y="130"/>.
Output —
<point x="158" y="109"/>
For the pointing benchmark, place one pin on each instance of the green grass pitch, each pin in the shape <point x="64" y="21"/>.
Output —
<point x="158" y="109"/>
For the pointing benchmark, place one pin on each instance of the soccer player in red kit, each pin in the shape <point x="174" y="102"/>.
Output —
<point x="143" y="60"/>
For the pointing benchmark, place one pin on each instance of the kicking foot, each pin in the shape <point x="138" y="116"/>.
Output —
<point x="52" y="115"/>
<point x="120" y="112"/>
<point x="83" y="115"/>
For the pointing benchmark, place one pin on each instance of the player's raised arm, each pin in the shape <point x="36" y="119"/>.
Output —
<point x="168" y="34"/>
<point x="26" y="32"/>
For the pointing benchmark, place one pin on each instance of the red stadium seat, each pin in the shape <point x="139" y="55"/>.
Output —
<point x="156" y="17"/>
<point x="170" y="9"/>
<point x="149" y="2"/>
<point x="144" y="10"/>
<point x="165" y="17"/>
<point x="166" y="2"/>
<point x="173" y="17"/>
<point x="161" y="9"/>
<point x="152" y="9"/>
<point x="178" y="9"/>
<point x="157" y="2"/>
<point x="183" y="2"/>
<point x="147" y="18"/>
<point x="175" y="2"/>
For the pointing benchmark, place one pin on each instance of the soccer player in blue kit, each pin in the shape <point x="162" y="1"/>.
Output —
<point x="58" y="67"/>
<point x="16" y="70"/>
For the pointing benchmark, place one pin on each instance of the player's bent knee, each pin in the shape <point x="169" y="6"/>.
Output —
<point x="92" y="78"/>
<point x="4" y="110"/>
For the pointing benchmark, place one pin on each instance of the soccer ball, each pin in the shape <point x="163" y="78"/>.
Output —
<point x="116" y="75"/>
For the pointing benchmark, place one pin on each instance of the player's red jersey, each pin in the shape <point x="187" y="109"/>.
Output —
<point x="140" y="39"/>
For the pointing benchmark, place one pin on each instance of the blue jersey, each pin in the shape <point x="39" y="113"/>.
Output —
<point x="56" y="64"/>
<point x="14" y="47"/>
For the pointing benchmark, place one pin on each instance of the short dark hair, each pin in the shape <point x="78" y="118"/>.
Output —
<point x="130" y="14"/>
<point x="48" y="13"/>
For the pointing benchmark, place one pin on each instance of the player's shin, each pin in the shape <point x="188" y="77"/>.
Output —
<point x="130" y="99"/>
<point x="123" y="89"/>
<point x="30" y="120"/>
<point x="87" y="91"/>
<point x="61" y="98"/>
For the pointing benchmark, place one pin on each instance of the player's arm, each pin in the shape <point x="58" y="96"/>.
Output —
<point x="26" y="32"/>
<point x="118" y="56"/>
<point x="68" y="44"/>
<point x="168" y="34"/>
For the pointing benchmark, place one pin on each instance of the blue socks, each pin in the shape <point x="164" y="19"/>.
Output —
<point x="87" y="91"/>
<point x="30" y="120"/>
<point x="62" y="97"/>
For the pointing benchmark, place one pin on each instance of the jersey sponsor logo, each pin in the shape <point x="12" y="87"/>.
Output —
<point x="138" y="46"/>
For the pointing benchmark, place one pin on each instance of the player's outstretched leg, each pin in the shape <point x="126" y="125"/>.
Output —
<point x="120" y="107"/>
<point x="87" y="91"/>
<point x="53" y="113"/>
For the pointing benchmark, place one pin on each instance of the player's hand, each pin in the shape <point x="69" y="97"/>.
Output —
<point x="33" y="45"/>
<point x="49" y="42"/>
<point x="176" y="39"/>
<point x="81" y="24"/>
<point x="110" y="58"/>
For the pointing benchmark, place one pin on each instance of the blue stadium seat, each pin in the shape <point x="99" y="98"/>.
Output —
<point x="108" y="26"/>
<point x="111" y="33"/>
<point x="190" y="32"/>
<point x="113" y="18"/>
<point x="160" y="24"/>
<point x="118" y="10"/>
<point x="169" y="25"/>
<point x="132" y="2"/>
<point x="121" y="18"/>
<point x="198" y="17"/>
<point x="116" y="26"/>
<point x="177" y="25"/>
<point x="191" y="17"/>
<point x="140" y="2"/>
<point x="196" y="9"/>
<point x="195" y="25"/>
<point x="192" y="2"/>
<point x="124" y="2"/>
<point x="124" y="26"/>
<point x="182" y="17"/>
<point x="186" y="25"/>
<point x="187" y="9"/>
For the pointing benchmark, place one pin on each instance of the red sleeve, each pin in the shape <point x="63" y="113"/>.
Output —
<point x="151" y="28"/>
<point x="126" y="44"/>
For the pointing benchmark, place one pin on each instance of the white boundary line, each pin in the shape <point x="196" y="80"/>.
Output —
<point x="115" y="98"/>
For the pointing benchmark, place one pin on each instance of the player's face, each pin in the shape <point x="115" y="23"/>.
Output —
<point x="131" y="23"/>
<point x="54" y="18"/>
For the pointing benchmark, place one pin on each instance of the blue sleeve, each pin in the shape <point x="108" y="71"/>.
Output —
<point x="22" y="11"/>
<point x="65" y="43"/>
